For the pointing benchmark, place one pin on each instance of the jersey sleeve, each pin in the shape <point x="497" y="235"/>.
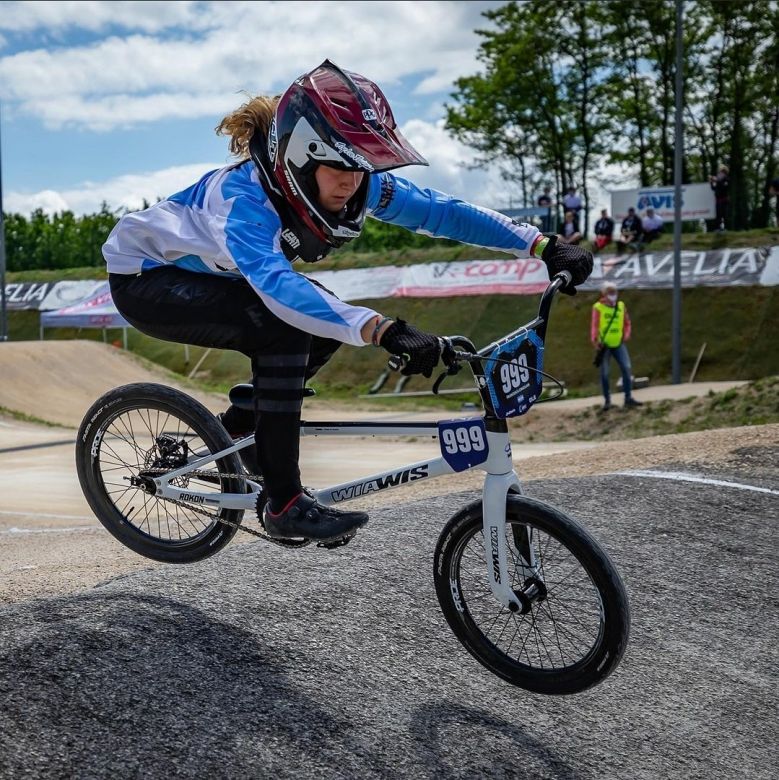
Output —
<point x="400" y="202"/>
<point x="249" y="232"/>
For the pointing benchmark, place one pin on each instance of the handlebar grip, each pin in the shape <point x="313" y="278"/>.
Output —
<point x="566" y="276"/>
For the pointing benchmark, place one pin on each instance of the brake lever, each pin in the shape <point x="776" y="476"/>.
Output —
<point x="398" y="362"/>
<point x="454" y="368"/>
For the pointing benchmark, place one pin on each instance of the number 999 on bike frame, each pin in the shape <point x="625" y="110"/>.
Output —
<point x="463" y="442"/>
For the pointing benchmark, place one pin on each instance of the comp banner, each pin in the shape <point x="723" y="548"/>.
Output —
<point x="647" y="270"/>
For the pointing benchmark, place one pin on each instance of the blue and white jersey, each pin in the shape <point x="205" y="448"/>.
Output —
<point x="226" y="224"/>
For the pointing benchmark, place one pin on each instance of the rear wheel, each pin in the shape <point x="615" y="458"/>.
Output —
<point x="132" y="434"/>
<point x="575" y="621"/>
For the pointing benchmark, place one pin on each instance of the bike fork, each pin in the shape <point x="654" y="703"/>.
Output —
<point x="497" y="486"/>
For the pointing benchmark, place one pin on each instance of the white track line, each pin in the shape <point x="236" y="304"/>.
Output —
<point x="39" y="514"/>
<point x="18" y="531"/>
<point x="682" y="477"/>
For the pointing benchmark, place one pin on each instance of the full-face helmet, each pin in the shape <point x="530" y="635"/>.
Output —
<point x="336" y="118"/>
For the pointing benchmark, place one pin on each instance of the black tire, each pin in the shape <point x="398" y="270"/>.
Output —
<point x="120" y="437"/>
<point x="585" y="595"/>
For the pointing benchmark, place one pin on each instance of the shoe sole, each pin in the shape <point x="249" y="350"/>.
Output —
<point x="336" y="537"/>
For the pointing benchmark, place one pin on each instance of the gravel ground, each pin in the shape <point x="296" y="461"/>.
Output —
<point x="48" y="564"/>
<point x="313" y="664"/>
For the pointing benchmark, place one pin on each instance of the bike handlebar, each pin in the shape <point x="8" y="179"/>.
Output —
<point x="560" y="280"/>
<point x="452" y="357"/>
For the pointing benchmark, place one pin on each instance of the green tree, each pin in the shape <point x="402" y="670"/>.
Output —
<point x="61" y="240"/>
<point x="567" y="86"/>
<point x="538" y="102"/>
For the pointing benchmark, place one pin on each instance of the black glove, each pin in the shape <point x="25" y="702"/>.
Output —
<point x="567" y="257"/>
<point x="420" y="350"/>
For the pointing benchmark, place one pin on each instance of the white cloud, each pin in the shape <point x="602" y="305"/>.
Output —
<point x="128" y="191"/>
<point x="447" y="173"/>
<point x="223" y="48"/>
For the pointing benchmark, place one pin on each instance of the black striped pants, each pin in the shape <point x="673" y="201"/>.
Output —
<point x="225" y="313"/>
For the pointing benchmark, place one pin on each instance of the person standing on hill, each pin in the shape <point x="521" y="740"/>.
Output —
<point x="213" y="265"/>
<point x="721" y="185"/>
<point x="609" y="330"/>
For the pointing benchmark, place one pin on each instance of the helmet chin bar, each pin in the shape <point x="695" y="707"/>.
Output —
<point x="342" y="226"/>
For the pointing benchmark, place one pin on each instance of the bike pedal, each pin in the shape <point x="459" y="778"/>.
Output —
<point x="332" y="544"/>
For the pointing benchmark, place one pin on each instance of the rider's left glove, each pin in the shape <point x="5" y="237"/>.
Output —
<point x="420" y="351"/>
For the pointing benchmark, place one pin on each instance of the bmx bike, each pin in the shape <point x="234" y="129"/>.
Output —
<point x="525" y="588"/>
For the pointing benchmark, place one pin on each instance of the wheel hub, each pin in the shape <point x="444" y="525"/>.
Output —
<point x="532" y="591"/>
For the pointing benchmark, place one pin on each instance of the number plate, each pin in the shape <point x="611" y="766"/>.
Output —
<point x="463" y="442"/>
<point x="514" y="386"/>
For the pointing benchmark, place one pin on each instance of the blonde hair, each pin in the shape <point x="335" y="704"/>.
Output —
<point x="240" y="125"/>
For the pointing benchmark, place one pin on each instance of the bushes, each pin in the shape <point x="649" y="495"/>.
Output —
<point x="56" y="242"/>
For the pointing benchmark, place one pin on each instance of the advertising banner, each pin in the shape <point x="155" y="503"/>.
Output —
<point x="26" y="295"/>
<point x="512" y="276"/>
<point x="718" y="268"/>
<point x="697" y="202"/>
<point x="47" y="295"/>
<point x="97" y="311"/>
<point x="646" y="270"/>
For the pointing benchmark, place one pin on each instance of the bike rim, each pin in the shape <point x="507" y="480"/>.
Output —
<point x="559" y="633"/>
<point x="127" y="445"/>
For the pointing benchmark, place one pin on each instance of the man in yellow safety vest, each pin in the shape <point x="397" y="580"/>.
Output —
<point x="609" y="330"/>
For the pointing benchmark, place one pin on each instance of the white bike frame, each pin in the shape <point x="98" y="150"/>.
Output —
<point x="500" y="480"/>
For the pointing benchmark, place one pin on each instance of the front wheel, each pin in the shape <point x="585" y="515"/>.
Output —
<point x="574" y="626"/>
<point x="139" y="431"/>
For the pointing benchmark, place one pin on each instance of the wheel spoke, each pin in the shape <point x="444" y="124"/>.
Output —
<point x="562" y="625"/>
<point x="130" y="444"/>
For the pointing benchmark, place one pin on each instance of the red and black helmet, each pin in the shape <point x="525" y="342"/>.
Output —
<point x="336" y="118"/>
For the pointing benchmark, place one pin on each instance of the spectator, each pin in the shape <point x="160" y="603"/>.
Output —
<point x="572" y="202"/>
<point x="652" y="225"/>
<point x="720" y="184"/>
<point x="609" y="330"/>
<point x="545" y="201"/>
<point x="604" y="231"/>
<point x="630" y="233"/>
<point x="568" y="230"/>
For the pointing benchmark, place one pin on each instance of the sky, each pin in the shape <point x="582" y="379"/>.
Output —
<point x="117" y="101"/>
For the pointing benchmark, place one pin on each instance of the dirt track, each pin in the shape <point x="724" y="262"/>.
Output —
<point x="51" y="543"/>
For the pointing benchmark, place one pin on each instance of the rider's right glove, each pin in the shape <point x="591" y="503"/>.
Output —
<point x="419" y="350"/>
<point x="567" y="257"/>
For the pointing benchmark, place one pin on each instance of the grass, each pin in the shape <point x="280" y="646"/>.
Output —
<point x="755" y="403"/>
<point x="29" y="418"/>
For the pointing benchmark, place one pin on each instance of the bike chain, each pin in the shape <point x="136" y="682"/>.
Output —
<point x="238" y="526"/>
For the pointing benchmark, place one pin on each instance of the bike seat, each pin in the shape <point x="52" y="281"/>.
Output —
<point x="242" y="396"/>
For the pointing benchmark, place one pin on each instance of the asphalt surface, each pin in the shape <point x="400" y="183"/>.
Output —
<point x="263" y="662"/>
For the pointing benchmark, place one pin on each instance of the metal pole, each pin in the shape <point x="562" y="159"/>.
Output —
<point x="3" y="310"/>
<point x="676" y="361"/>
